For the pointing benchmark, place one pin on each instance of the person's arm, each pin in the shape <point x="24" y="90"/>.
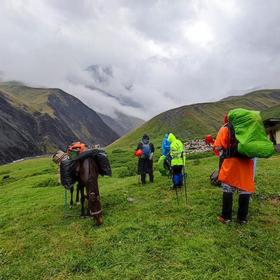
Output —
<point x="152" y="151"/>
<point x="221" y="142"/>
<point x="139" y="146"/>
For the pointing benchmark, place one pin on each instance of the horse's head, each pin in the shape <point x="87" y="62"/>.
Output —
<point x="59" y="156"/>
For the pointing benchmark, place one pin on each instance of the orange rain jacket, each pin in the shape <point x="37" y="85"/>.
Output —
<point x="236" y="172"/>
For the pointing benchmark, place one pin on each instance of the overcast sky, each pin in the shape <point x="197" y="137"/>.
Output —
<point x="142" y="57"/>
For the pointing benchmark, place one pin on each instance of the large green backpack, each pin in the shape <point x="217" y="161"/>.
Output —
<point x="247" y="128"/>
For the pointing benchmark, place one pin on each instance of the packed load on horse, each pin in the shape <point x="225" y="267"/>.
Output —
<point x="84" y="165"/>
<point x="145" y="151"/>
<point x="240" y="139"/>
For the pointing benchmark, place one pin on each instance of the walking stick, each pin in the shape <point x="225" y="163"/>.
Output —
<point x="185" y="183"/>
<point x="184" y="176"/>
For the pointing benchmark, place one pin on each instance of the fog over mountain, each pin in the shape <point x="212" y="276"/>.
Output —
<point x="141" y="57"/>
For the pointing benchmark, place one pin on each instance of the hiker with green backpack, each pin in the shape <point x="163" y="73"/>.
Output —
<point x="242" y="138"/>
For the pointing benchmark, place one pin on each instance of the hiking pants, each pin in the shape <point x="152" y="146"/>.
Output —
<point x="145" y="166"/>
<point x="243" y="203"/>
<point x="143" y="177"/>
<point x="177" y="176"/>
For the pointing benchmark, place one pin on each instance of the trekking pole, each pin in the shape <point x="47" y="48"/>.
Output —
<point x="184" y="176"/>
<point x="185" y="184"/>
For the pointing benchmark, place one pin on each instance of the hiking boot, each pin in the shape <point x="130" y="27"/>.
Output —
<point x="241" y="222"/>
<point x="223" y="220"/>
<point x="173" y="187"/>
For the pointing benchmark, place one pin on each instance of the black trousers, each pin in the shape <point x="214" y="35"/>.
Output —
<point x="143" y="177"/>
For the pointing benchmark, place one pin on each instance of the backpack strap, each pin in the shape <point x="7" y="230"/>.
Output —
<point x="232" y="150"/>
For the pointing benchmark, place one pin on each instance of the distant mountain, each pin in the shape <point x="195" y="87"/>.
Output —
<point x="35" y="121"/>
<point x="197" y="120"/>
<point x="121" y="123"/>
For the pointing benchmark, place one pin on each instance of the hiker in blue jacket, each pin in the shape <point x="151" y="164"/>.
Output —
<point x="145" y="162"/>
<point x="165" y="145"/>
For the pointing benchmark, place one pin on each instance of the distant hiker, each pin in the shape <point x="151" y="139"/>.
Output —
<point x="145" y="151"/>
<point x="164" y="162"/>
<point x="241" y="138"/>
<point x="165" y="145"/>
<point x="177" y="160"/>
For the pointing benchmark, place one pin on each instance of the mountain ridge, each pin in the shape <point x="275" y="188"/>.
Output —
<point x="122" y="123"/>
<point x="33" y="126"/>
<point x="197" y="120"/>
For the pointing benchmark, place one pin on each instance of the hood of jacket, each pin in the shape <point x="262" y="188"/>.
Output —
<point x="145" y="139"/>
<point x="171" y="138"/>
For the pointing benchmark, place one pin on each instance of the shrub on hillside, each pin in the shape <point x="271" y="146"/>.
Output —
<point x="49" y="182"/>
<point x="125" y="171"/>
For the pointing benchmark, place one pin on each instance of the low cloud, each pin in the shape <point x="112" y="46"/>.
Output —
<point x="148" y="56"/>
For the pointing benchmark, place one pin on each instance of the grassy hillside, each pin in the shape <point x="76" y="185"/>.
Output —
<point x="35" y="99"/>
<point x="273" y="112"/>
<point x="197" y="120"/>
<point x="149" y="238"/>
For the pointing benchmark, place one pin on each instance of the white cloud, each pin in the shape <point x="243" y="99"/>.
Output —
<point x="163" y="53"/>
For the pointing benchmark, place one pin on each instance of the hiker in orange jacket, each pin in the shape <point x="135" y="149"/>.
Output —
<point x="235" y="174"/>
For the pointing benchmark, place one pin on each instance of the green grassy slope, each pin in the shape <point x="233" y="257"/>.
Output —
<point x="36" y="99"/>
<point x="149" y="238"/>
<point x="197" y="120"/>
<point x="273" y="112"/>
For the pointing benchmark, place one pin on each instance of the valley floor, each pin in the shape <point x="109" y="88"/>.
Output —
<point x="148" y="236"/>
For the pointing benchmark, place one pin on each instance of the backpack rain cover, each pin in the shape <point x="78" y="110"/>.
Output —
<point x="250" y="133"/>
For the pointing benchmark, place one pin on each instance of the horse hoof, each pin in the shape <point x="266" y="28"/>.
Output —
<point x="71" y="206"/>
<point x="78" y="203"/>
<point x="99" y="222"/>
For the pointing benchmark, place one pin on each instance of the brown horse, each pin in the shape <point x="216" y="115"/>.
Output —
<point x="86" y="171"/>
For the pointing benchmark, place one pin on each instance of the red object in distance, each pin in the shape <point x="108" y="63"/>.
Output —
<point x="209" y="140"/>
<point x="138" y="153"/>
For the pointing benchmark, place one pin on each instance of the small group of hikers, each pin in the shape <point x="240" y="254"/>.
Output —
<point x="174" y="158"/>
<point x="239" y="142"/>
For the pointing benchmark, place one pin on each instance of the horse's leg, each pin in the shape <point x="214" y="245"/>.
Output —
<point x="87" y="197"/>
<point x="94" y="203"/>
<point x="77" y="193"/>
<point x="71" y="199"/>
<point x="82" y="200"/>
